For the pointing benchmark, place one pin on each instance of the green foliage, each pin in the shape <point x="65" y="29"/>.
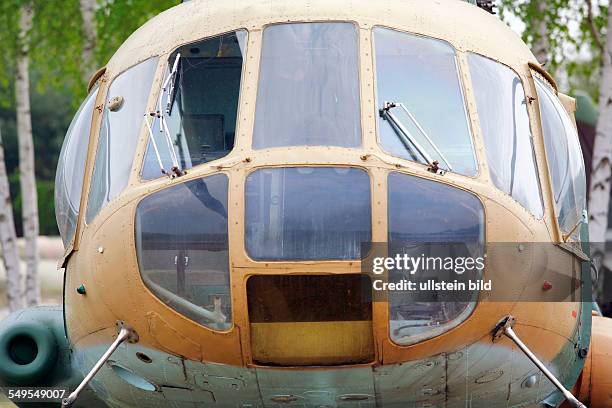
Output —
<point x="56" y="40"/>
<point x="51" y="115"/>
<point x="117" y="19"/>
<point x="9" y="29"/>
<point x="46" y="208"/>
<point x="573" y="32"/>
<point x="57" y="87"/>
<point x="55" y="48"/>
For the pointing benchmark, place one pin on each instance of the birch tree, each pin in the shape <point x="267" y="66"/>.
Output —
<point x="561" y="49"/>
<point x="27" y="178"/>
<point x="88" y="13"/>
<point x="8" y="239"/>
<point x="599" y="192"/>
<point x="541" y="46"/>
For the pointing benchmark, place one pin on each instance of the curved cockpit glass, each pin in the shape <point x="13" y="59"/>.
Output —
<point x="565" y="161"/>
<point x="420" y="101"/>
<point x="434" y="221"/>
<point x="182" y="248"/>
<point x="199" y="105"/>
<point x="71" y="169"/>
<point x="124" y="108"/>
<point x="308" y="90"/>
<point x="504" y="122"/>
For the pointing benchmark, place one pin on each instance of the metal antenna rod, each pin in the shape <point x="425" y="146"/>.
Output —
<point x="125" y="333"/>
<point x="504" y="328"/>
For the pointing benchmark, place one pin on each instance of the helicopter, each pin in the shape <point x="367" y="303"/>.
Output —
<point x="237" y="171"/>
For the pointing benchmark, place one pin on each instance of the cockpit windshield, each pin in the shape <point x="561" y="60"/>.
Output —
<point x="308" y="91"/>
<point x="199" y="105"/>
<point x="419" y="77"/>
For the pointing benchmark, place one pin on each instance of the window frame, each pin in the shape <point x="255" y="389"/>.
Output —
<point x="243" y="229"/>
<point x="163" y="68"/>
<point x="532" y="120"/>
<point x="539" y="75"/>
<point x="134" y="248"/>
<point x="473" y="307"/>
<point x="360" y="105"/>
<point x="71" y="244"/>
<point x="464" y="89"/>
<point x="105" y="85"/>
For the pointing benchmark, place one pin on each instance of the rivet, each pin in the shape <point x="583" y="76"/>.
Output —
<point x="530" y="381"/>
<point x="101" y="250"/>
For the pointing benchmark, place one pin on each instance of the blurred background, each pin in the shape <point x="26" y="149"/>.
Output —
<point x="49" y="49"/>
<point x="48" y="52"/>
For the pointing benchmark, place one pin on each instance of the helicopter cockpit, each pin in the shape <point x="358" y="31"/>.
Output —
<point x="309" y="94"/>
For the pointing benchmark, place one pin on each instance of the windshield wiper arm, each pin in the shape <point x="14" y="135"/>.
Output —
<point x="163" y="125"/>
<point x="406" y="136"/>
<point x="171" y="80"/>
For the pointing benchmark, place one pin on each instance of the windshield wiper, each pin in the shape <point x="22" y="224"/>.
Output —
<point x="176" y="170"/>
<point x="408" y="139"/>
<point x="172" y="78"/>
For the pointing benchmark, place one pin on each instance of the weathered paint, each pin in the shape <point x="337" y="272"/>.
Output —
<point x="192" y="363"/>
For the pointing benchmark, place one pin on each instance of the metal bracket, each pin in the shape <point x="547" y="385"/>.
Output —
<point x="126" y="333"/>
<point x="504" y="328"/>
<point x="501" y="327"/>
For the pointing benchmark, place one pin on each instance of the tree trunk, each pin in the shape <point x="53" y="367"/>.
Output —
<point x="88" y="13"/>
<point x="8" y="240"/>
<point x="27" y="178"/>
<point x="599" y="190"/>
<point x="541" y="45"/>
<point x="599" y="193"/>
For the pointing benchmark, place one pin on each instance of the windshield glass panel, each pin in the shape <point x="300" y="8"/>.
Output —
<point x="307" y="213"/>
<point x="421" y="74"/>
<point x="504" y="121"/>
<point x="71" y="169"/>
<point x="565" y="162"/>
<point x="182" y="249"/>
<point x="199" y="104"/>
<point x="124" y="108"/>
<point x="308" y="86"/>
<point x="430" y="219"/>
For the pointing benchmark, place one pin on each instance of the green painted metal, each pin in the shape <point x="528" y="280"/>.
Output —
<point x="582" y="336"/>
<point x="586" y="109"/>
<point x="34" y="352"/>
